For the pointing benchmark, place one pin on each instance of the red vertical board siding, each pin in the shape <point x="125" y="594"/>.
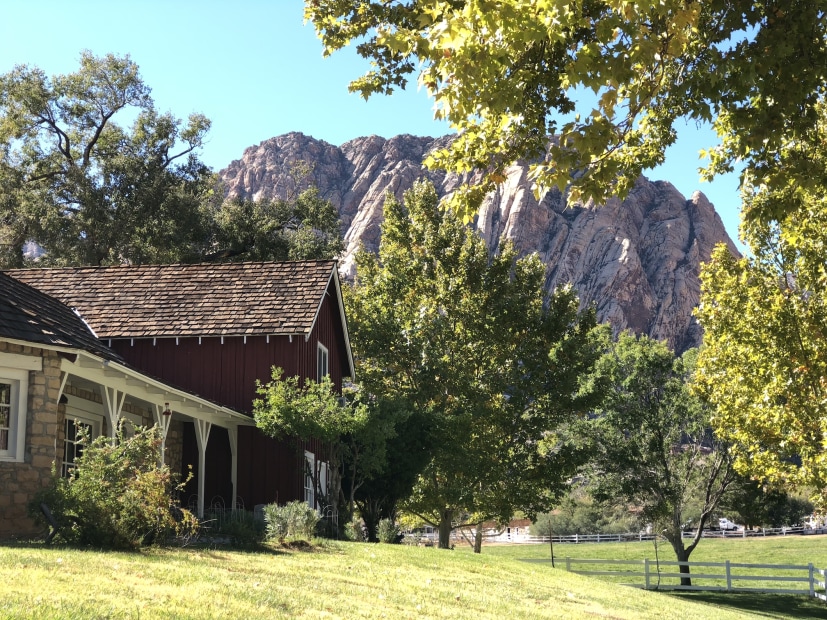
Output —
<point x="268" y="470"/>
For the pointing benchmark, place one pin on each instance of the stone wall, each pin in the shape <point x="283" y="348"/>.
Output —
<point x="45" y="429"/>
<point x="20" y="481"/>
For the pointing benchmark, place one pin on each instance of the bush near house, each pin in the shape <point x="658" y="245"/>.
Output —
<point x="295" y="520"/>
<point x="117" y="496"/>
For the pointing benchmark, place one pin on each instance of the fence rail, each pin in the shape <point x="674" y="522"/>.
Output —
<point x="811" y="579"/>
<point x="641" y="536"/>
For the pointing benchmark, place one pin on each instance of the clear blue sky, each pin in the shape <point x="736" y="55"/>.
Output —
<point x="256" y="71"/>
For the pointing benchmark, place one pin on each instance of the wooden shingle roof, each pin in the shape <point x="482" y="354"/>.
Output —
<point x="229" y="299"/>
<point x="29" y="315"/>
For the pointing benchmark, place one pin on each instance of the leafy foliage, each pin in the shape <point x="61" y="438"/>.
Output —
<point x="241" y="527"/>
<point x="466" y="340"/>
<point x="651" y="440"/>
<point x="304" y="228"/>
<point x="295" y="520"/>
<point x="88" y="190"/>
<point x="387" y="532"/>
<point x="578" y="513"/>
<point x="312" y="410"/>
<point x="753" y="504"/>
<point x="117" y="496"/>
<point x="605" y="79"/>
<point x="765" y="318"/>
<point x="398" y="440"/>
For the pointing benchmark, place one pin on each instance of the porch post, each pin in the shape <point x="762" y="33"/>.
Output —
<point x="114" y="404"/>
<point x="232" y="433"/>
<point x="162" y="420"/>
<point x="202" y="435"/>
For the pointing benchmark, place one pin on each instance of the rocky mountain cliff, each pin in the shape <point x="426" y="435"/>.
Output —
<point x="637" y="260"/>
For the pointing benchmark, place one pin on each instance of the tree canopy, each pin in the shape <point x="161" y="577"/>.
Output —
<point x="651" y="441"/>
<point x="764" y="363"/>
<point x="304" y="227"/>
<point x="605" y="79"/>
<point x="466" y="339"/>
<point x="86" y="189"/>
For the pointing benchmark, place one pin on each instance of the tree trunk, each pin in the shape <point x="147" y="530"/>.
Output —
<point x="683" y="556"/>
<point x="478" y="538"/>
<point x="445" y="518"/>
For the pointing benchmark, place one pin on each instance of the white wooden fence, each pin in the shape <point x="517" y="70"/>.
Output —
<point x="791" y="578"/>
<point x="640" y="536"/>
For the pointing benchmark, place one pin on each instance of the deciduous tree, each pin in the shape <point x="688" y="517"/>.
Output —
<point x="301" y="411"/>
<point x="468" y="341"/>
<point x="652" y="443"/>
<point x="304" y="227"/>
<point x="764" y="363"/>
<point x="88" y="190"/>
<point x="606" y="79"/>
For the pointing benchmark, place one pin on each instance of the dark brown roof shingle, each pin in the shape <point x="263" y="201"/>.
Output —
<point x="31" y="316"/>
<point x="228" y="299"/>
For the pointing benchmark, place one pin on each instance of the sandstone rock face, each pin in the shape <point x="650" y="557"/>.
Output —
<point x="637" y="260"/>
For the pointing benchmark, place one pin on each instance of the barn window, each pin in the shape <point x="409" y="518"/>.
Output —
<point x="309" y="478"/>
<point x="322" y="367"/>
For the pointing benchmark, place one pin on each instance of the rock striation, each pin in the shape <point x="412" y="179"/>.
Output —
<point x="636" y="260"/>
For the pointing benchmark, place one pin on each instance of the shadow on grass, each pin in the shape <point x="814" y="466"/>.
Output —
<point x="769" y="605"/>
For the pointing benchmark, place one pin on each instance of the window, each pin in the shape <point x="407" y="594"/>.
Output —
<point x="75" y="422"/>
<point x="14" y="390"/>
<point x="309" y="476"/>
<point x="322" y="368"/>
<point x="323" y="477"/>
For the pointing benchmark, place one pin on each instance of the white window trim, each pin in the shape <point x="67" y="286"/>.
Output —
<point x="94" y="420"/>
<point x="19" y="381"/>
<point x="322" y="353"/>
<point x="310" y="491"/>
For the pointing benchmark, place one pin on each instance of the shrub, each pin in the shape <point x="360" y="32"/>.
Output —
<point x="387" y="532"/>
<point x="241" y="527"/>
<point x="355" y="531"/>
<point x="117" y="496"/>
<point x="295" y="520"/>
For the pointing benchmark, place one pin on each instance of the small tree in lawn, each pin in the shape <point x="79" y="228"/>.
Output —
<point x="287" y="409"/>
<point x="652" y="442"/>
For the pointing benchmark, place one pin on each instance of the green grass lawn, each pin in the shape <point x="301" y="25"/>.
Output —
<point x="797" y="550"/>
<point x="331" y="580"/>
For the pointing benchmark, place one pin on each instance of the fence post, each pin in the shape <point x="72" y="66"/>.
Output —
<point x="728" y="577"/>
<point x="576" y="540"/>
<point x="598" y="538"/>
<point x="812" y="581"/>
<point x="646" y="573"/>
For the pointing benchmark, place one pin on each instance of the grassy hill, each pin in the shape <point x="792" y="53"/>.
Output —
<point x="333" y="580"/>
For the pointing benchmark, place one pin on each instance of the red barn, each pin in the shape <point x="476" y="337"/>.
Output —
<point x="210" y="331"/>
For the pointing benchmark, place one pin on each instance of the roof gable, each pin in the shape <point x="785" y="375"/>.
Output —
<point x="227" y="299"/>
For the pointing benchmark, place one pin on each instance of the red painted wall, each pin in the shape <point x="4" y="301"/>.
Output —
<point x="268" y="470"/>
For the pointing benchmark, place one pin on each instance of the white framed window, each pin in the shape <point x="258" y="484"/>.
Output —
<point x="309" y="475"/>
<point x="14" y="392"/>
<point x="77" y="420"/>
<point x="324" y="477"/>
<point x="321" y="366"/>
